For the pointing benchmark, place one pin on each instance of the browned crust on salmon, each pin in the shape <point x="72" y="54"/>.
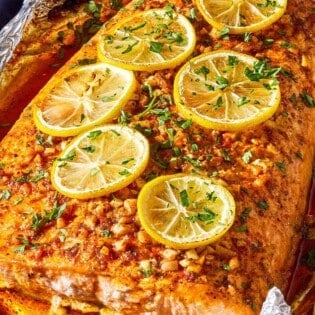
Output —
<point x="130" y="273"/>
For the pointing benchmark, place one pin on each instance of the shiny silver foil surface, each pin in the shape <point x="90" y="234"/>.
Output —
<point x="11" y="33"/>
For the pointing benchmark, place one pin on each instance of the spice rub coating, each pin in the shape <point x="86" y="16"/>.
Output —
<point x="96" y="252"/>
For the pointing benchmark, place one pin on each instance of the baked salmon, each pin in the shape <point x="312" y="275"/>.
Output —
<point x="93" y="255"/>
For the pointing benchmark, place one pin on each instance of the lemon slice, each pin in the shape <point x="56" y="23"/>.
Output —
<point x="241" y="16"/>
<point x="185" y="211"/>
<point x="151" y="40"/>
<point x="100" y="161"/>
<point x="225" y="90"/>
<point x="83" y="97"/>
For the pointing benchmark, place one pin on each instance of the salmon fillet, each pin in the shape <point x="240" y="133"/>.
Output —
<point x="93" y="254"/>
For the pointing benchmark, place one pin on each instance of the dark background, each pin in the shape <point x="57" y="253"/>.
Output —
<point x="8" y="9"/>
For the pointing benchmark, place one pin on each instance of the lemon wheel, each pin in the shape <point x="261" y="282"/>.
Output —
<point x="226" y="90"/>
<point x="83" y="97"/>
<point x="100" y="161"/>
<point x="151" y="40"/>
<point x="241" y="16"/>
<point x="185" y="211"/>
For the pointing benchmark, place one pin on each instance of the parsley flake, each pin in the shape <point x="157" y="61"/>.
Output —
<point x="184" y="198"/>
<point x="281" y="166"/>
<point x="307" y="99"/>
<point x="262" y="204"/>
<point x="94" y="134"/>
<point x="206" y="217"/>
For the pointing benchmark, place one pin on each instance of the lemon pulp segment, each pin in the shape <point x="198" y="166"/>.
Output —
<point x="151" y="40"/>
<point x="226" y="90"/>
<point x="100" y="161"/>
<point x="84" y="97"/>
<point x="185" y="211"/>
<point x="241" y="16"/>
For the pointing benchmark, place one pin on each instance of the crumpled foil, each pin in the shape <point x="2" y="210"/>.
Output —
<point x="275" y="304"/>
<point x="11" y="35"/>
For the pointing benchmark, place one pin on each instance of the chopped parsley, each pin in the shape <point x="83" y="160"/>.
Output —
<point x="307" y="99"/>
<point x="202" y="70"/>
<point x="163" y="113"/>
<point x="224" y="33"/>
<point x="126" y="161"/>
<point x="226" y="267"/>
<point x="185" y="124"/>
<point x="130" y="47"/>
<point x="211" y="196"/>
<point x="241" y="228"/>
<point x="243" y="100"/>
<point x="195" y="147"/>
<point x="268" y="3"/>
<point x="94" y="134"/>
<point x="84" y="32"/>
<point x="93" y="8"/>
<point x="147" y="87"/>
<point x="137" y="27"/>
<point x="226" y="155"/>
<point x="243" y="217"/>
<point x="146" y="272"/>
<point x="268" y="41"/>
<point x="184" y="198"/>
<point x="232" y="61"/>
<point x="175" y="37"/>
<point x="89" y="148"/>
<point x="169" y="8"/>
<point x="222" y="83"/>
<point x="106" y="233"/>
<point x="115" y="4"/>
<point x="69" y="156"/>
<point x="124" y="172"/>
<point x="287" y="45"/>
<point x="86" y="61"/>
<point x="38" y="220"/>
<point x="219" y="103"/>
<point x="150" y="106"/>
<point x="41" y="140"/>
<point x="262" y="204"/>
<point x="281" y="166"/>
<point x="25" y="244"/>
<point x="145" y="131"/>
<point x="247" y="37"/>
<point x="138" y="4"/>
<point x="124" y="117"/>
<point x="207" y="216"/>
<point x="22" y="179"/>
<point x="193" y="161"/>
<point x="18" y="201"/>
<point x="262" y="70"/>
<point x="39" y="175"/>
<point x="299" y="155"/>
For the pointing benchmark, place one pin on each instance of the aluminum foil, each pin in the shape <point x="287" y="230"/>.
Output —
<point x="11" y="35"/>
<point x="275" y="304"/>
